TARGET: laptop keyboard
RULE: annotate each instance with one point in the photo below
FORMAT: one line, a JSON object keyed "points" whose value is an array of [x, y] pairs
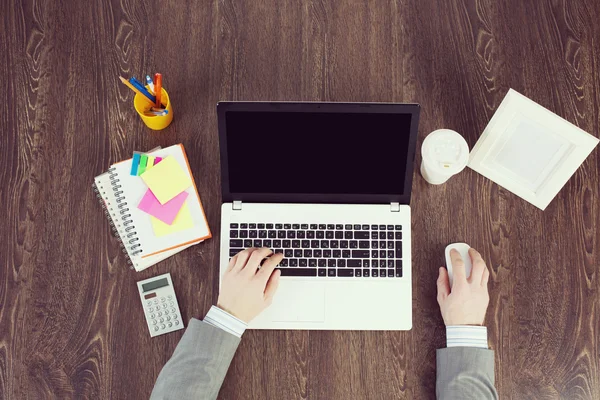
{"points": [[326, 250]]}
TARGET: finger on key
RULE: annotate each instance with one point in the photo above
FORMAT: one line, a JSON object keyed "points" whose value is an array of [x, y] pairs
{"points": [[242, 259], [272, 285], [269, 266], [256, 259]]}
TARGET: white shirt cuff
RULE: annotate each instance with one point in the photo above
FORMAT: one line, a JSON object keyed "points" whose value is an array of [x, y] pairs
{"points": [[223, 320], [466, 336]]}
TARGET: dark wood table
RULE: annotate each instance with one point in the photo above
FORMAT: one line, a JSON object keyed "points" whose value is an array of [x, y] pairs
{"points": [[71, 325]]}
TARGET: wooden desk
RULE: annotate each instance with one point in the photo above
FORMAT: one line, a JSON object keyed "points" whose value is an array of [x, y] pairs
{"points": [[70, 319]]}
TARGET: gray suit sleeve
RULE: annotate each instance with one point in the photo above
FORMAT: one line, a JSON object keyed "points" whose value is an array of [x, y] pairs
{"points": [[465, 373], [198, 365]]}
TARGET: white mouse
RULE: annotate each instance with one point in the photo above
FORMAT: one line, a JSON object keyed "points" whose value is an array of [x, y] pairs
{"points": [[463, 249]]}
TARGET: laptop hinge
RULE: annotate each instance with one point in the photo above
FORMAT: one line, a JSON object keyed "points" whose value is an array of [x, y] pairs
{"points": [[237, 205], [394, 207]]}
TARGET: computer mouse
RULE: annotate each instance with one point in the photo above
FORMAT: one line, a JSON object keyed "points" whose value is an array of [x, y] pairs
{"points": [[463, 249]]}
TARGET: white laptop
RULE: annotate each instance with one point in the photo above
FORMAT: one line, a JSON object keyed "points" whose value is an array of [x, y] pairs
{"points": [[328, 185]]}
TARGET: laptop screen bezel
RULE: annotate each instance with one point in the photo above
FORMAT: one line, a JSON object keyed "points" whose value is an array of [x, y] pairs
{"points": [[347, 198]]}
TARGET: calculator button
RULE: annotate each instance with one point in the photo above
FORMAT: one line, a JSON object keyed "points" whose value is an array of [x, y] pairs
{"points": [[164, 306], [175, 316], [153, 322], [176, 323], [168, 318], [172, 304], [169, 297], [155, 328], [155, 301], [163, 299], [166, 312], [152, 315], [161, 320], [149, 302], [170, 324], [162, 326], [172, 310], [159, 314]]}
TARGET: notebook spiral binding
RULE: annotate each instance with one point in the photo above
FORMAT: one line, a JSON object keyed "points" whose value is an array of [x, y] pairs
{"points": [[125, 231]]}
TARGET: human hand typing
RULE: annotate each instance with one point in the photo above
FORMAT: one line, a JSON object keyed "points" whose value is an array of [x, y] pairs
{"points": [[247, 290], [467, 301]]}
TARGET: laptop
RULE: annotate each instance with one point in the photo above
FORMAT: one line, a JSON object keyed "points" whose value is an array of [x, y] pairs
{"points": [[328, 185]]}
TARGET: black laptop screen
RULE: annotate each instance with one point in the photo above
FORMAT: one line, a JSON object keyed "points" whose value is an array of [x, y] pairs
{"points": [[317, 153]]}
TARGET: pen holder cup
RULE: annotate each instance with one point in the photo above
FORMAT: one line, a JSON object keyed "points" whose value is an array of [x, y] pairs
{"points": [[155, 122]]}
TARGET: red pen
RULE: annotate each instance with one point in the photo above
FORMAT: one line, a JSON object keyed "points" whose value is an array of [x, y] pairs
{"points": [[158, 88]]}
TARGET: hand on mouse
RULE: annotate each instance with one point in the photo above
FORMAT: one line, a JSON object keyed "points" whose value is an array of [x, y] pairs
{"points": [[247, 290], [466, 303]]}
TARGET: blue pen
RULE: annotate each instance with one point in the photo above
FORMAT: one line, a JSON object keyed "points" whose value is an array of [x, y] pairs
{"points": [[139, 86], [150, 84], [134, 79]]}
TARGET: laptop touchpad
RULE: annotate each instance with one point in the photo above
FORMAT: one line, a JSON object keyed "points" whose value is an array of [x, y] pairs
{"points": [[299, 301]]}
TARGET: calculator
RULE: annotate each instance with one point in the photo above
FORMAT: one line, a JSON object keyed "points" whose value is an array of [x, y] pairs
{"points": [[160, 305]]}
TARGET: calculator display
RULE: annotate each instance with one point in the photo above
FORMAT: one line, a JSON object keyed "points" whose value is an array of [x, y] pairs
{"points": [[146, 287]]}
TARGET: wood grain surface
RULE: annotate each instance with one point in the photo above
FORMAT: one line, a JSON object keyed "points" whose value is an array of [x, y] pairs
{"points": [[71, 325]]}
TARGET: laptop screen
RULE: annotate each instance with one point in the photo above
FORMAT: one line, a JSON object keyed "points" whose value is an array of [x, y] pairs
{"points": [[318, 152]]}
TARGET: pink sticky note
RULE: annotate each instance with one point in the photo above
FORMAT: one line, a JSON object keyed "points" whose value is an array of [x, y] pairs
{"points": [[164, 212]]}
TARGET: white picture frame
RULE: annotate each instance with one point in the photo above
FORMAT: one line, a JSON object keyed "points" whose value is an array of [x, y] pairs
{"points": [[529, 150]]}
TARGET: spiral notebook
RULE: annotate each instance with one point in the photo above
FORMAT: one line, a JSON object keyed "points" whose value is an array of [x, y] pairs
{"points": [[120, 193]]}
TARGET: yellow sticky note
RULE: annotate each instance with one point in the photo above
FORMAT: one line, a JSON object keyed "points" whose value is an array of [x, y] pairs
{"points": [[182, 221], [167, 179], [150, 163]]}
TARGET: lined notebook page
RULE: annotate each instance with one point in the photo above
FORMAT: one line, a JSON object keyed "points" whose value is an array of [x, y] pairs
{"points": [[134, 189], [139, 264]]}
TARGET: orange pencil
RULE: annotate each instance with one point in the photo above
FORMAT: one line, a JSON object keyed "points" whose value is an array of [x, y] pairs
{"points": [[158, 88], [130, 86]]}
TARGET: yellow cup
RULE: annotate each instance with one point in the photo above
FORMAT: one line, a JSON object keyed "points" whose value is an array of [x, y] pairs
{"points": [[154, 122]]}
